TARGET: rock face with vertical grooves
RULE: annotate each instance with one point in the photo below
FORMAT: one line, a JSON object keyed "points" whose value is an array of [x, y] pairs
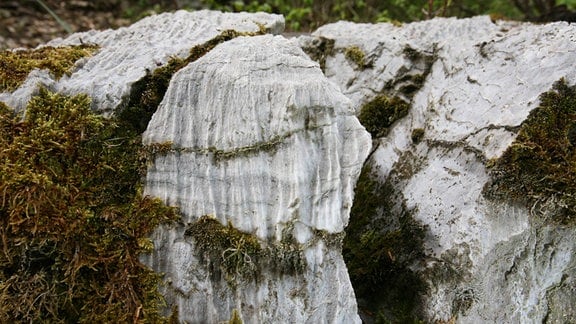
{"points": [[257, 138], [470, 84]]}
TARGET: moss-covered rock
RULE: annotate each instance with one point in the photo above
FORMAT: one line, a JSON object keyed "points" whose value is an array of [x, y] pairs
{"points": [[73, 219], [540, 166], [16, 65], [378, 115], [242, 256], [148, 92], [356, 55], [382, 242]]}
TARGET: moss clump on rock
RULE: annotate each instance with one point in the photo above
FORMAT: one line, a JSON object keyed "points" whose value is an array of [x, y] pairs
{"points": [[356, 55], [417, 135], [378, 115], [74, 221], [236, 252], [16, 65], [382, 242], [540, 166], [242, 256]]}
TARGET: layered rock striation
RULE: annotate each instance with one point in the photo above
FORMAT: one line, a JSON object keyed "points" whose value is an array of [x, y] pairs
{"points": [[255, 136]]}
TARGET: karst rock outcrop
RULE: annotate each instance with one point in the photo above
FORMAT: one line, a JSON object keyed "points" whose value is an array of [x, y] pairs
{"points": [[257, 139], [469, 86]]}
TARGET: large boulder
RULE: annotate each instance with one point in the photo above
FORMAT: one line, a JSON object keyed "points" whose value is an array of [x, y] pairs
{"points": [[253, 144], [253, 135], [465, 88]]}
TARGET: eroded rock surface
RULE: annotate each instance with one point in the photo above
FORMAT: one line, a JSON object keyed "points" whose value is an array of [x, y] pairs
{"points": [[256, 136], [255, 146], [470, 84], [127, 54]]}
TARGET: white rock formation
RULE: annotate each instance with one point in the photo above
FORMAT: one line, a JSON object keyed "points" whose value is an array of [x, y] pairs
{"points": [[128, 53], [256, 136], [261, 140], [482, 80]]}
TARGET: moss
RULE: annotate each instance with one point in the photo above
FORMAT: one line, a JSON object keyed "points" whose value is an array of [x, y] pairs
{"points": [[540, 165], [378, 115], [16, 65], [382, 242], [356, 55], [242, 256], [235, 318], [411, 53], [417, 135], [234, 251], [74, 221]]}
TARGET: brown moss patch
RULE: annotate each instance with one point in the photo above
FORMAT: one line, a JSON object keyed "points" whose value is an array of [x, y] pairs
{"points": [[16, 65], [73, 219]]}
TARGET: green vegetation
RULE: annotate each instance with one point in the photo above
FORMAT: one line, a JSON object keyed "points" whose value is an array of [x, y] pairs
{"points": [[381, 244], [356, 55], [307, 15], [16, 65], [378, 115], [241, 256], [235, 317], [417, 135], [540, 166], [73, 218]]}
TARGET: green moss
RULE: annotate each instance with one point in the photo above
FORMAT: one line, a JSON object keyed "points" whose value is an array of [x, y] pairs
{"points": [[16, 65], [378, 115], [411, 53], [235, 318], [382, 242], [242, 256], [540, 166], [236, 252], [74, 221], [356, 55], [417, 135]]}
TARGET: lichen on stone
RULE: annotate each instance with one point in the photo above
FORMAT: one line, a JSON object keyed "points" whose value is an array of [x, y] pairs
{"points": [[540, 165], [17, 64]]}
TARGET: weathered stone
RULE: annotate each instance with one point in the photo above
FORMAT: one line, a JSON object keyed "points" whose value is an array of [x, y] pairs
{"points": [[127, 54], [486, 260], [257, 137]]}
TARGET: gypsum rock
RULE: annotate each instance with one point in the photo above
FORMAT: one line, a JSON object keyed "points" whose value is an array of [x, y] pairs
{"points": [[258, 138], [486, 261]]}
